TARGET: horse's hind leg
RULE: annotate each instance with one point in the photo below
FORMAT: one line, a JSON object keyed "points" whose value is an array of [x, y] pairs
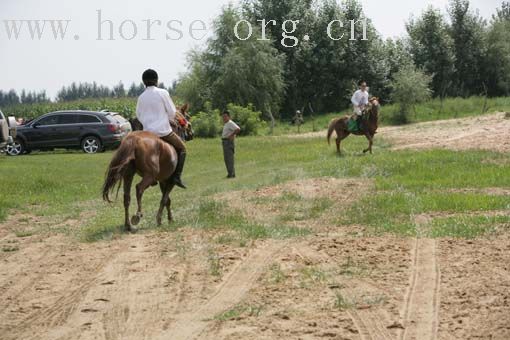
{"points": [[340, 137], [128, 181], [140, 189]]}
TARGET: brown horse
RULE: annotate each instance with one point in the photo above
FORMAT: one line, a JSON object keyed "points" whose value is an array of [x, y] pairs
{"points": [[154, 160], [369, 126]]}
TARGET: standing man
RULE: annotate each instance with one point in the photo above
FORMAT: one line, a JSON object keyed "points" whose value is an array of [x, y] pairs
{"points": [[155, 109], [230, 131]]}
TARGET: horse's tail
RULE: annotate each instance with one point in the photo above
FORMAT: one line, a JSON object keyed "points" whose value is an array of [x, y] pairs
{"points": [[331, 128], [118, 167]]}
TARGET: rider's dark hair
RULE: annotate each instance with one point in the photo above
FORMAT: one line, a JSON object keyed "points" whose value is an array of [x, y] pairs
{"points": [[361, 82], [226, 112], [150, 78]]}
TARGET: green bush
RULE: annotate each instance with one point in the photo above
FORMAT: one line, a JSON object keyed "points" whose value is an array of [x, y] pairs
{"points": [[247, 118], [411, 86], [207, 124]]}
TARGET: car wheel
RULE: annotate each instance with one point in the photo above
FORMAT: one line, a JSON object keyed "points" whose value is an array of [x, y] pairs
{"points": [[15, 149], [91, 144]]}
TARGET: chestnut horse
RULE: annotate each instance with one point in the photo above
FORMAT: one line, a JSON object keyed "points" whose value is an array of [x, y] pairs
{"points": [[369, 126], [154, 160]]}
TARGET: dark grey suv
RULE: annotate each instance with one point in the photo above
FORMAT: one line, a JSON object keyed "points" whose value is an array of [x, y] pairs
{"points": [[91, 131]]}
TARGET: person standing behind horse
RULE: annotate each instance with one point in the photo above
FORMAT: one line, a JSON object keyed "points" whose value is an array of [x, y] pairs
{"points": [[230, 131], [155, 109], [360, 100]]}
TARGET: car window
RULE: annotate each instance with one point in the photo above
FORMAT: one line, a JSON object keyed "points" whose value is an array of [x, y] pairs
{"points": [[67, 119], [88, 119], [50, 120]]}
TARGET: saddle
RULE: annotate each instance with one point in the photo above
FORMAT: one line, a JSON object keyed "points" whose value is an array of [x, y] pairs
{"points": [[356, 125]]}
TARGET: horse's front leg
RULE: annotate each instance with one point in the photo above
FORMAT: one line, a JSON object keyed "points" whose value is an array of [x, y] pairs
{"points": [[140, 189], [165, 200], [370, 143]]}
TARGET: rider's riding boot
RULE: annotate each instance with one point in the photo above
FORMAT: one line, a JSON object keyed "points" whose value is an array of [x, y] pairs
{"points": [[178, 171]]}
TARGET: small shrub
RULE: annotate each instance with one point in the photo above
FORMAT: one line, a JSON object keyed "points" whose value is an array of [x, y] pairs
{"points": [[207, 124], [410, 87], [247, 118]]}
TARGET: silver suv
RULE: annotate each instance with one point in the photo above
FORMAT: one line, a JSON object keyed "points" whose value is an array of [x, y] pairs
{"points": [[7, 131]]}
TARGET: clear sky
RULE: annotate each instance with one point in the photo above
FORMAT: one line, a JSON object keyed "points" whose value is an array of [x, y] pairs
{"points": [[48, 64]]}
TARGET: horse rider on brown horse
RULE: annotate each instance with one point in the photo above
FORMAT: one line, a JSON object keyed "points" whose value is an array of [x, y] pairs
{"points": [[155, 110], [359, 101]]}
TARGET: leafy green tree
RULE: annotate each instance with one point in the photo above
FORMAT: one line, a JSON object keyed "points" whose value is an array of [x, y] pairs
{"points": [[237, 71], [498, 53], [503, 13], [431, 47], [468, 33]]}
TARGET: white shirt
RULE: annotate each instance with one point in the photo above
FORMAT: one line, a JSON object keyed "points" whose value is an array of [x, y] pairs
{"points": [[360, 98], [229, 128], [155, 109]]}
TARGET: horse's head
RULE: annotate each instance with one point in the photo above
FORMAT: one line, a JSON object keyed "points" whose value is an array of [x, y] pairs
{"points": [[374, 107], [184, 109], [183, 124]]}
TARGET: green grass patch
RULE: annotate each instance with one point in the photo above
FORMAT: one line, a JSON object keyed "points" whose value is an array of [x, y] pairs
{"points": [[59, 186], [469, 226], [238, 311], [449, 108], [393, 211]]}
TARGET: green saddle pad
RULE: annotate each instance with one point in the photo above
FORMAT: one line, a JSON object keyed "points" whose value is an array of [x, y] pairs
{"points": [[352, 125]]}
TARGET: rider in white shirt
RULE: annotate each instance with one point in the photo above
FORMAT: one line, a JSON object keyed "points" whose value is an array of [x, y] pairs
{"points": [[155, 109], [360, 99]]}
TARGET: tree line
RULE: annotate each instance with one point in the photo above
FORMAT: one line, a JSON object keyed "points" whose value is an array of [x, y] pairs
{"points": [[457, 53], [75, 91]]}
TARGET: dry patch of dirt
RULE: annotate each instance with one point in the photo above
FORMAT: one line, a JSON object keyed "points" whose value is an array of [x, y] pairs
{"points": [[332, 286], [475, 288], [487, 132]]}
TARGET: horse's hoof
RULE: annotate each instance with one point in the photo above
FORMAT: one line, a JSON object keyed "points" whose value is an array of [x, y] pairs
{"points": [[133, 230], [135, 219]]}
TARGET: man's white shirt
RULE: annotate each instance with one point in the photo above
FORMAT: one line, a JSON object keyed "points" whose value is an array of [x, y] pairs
{"points": [[155, 109], [229, 128], [360, 98]]}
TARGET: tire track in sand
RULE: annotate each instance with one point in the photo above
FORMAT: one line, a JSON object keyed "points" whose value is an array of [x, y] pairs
{"points": [[370, 325], [230, 292], [420, 312], [372, 322]]}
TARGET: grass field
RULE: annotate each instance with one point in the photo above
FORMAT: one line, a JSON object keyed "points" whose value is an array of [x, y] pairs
{"points": [[66, 186]]}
